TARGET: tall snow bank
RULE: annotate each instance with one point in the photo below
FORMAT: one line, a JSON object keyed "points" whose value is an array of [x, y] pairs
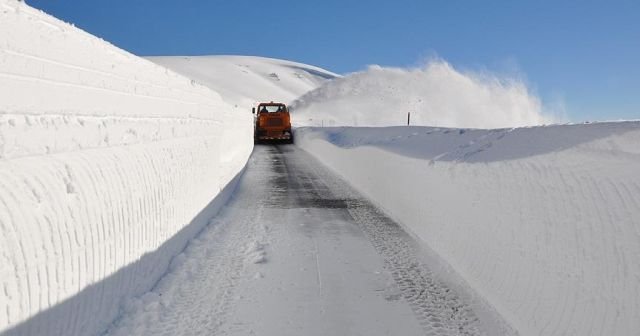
{"points": [[108, 165], [435, 95], [542, 222]]}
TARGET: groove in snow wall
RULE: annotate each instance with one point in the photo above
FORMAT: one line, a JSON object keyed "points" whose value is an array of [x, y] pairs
{"points": [[550, 239], [108, 166]]}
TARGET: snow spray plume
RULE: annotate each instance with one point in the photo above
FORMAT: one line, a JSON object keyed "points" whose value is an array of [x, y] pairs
{"points": [[435, 95]]}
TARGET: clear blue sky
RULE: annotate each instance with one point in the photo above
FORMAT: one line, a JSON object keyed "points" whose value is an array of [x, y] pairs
{"points": [[585, 53]]}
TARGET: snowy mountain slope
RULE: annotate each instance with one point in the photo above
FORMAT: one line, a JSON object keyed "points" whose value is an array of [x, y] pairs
{"points": [[245, 80], [542, 222], [108, 162]]}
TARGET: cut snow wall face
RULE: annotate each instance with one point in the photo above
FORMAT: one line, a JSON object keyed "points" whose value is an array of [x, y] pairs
{"points": [[551, 240], [106, 160]]}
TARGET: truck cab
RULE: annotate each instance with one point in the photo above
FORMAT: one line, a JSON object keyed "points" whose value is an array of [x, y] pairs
{"points": [[272, 123]]}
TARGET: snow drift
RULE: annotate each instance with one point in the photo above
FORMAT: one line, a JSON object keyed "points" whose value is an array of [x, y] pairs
{"points": [[541, 222], [435, 95], [108, 166]]}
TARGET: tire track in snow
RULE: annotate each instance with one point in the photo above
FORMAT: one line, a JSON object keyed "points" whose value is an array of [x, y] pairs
{"points": [[200, 293], [438, 308]]}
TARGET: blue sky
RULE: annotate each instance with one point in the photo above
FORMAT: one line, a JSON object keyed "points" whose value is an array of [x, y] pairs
{"points": [[585, 54]]}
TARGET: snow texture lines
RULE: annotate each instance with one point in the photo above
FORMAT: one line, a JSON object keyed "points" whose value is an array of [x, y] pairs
{"points": [[109, 164]]}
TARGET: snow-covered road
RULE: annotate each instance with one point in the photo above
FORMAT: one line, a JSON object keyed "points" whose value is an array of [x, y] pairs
{"points": [[296, 252]]}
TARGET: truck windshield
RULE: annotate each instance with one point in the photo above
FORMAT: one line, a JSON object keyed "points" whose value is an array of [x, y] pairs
{"points": [[271, 108]]}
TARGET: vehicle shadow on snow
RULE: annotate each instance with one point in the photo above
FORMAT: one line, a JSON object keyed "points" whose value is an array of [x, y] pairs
{"points": [[84, 313]]}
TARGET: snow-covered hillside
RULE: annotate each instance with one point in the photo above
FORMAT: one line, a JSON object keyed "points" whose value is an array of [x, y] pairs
{"points": [[436, 94], [108, 165], [543, 222], [244, 80]]}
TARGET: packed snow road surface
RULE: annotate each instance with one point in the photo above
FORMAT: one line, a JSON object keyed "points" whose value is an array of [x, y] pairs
{"points": [[296, 252]]}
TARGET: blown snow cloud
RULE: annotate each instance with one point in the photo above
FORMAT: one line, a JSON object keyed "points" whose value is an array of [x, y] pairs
{"points": [[436, 95]]}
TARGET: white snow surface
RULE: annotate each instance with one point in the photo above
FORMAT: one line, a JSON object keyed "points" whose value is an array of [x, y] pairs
{"points": [[108, 165], [246, 80], [541, 222], [436, 94], [279, 261]]}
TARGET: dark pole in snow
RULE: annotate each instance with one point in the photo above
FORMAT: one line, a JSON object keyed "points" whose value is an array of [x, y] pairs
{"points": [[408, 118]]}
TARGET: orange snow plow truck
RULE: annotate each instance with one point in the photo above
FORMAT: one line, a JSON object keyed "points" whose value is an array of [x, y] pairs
{"points": [[273, 123]]}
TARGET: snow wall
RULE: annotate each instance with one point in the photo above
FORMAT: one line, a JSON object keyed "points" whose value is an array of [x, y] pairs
{"points": [[109, 164], [543, 223]]}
